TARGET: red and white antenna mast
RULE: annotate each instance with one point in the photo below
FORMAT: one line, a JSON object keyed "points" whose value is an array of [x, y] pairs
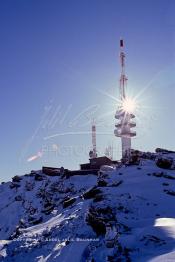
{"points": [[123, 78], [124, 117], [93, 152]]}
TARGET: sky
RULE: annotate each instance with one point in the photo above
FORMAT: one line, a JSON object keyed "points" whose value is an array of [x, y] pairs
{"points": [[59, 68]]}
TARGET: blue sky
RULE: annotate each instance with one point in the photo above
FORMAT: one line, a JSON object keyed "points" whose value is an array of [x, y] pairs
{"points": [[58, 59]]}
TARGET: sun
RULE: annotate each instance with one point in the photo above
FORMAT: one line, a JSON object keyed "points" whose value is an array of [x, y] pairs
{"points": [[128, 105]]}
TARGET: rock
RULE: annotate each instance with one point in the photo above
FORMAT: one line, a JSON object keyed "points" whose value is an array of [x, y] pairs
{"points": [[168, 176], [68, 202], [147, 239], [13, 185], [98, 216], [164, 163], [111, 236], [15, 234], [170, 192], [102, 183], [38, 177], [16, 179], [120, 208], [35, 220], [117, 183], [18, 198], [98, 198], [22, 223], [97, 224], [165, 184], [46, 233], [164, 151], [54, 187], [157, 174], [48, 208], [29, 186], [91, 193]]}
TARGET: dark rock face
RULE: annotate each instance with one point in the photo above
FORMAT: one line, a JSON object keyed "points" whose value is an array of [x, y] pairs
{"points": [[164, 151], [168, 176], [29, 186], [152, 239], [161, 174], [16, 179], [97, 217], [158, 174], [102, 183], [117, 183], [14, 185], [164, 163], [91, 193], [96, 223], [135, 158], [170, 192], [18, 198], [48, 208], [38, 177], [15, 234], [68, 202], [98, 198], [34, 220]]}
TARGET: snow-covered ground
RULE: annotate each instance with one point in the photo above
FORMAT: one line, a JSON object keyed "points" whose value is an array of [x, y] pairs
{"points": [[127, 214]]}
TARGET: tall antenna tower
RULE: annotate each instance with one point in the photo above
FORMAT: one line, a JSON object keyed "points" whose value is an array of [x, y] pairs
{"points": [[124, 114], [93, 152]]}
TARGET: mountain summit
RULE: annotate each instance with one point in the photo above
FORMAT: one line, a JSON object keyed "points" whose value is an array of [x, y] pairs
{"points": [[124, 214]]}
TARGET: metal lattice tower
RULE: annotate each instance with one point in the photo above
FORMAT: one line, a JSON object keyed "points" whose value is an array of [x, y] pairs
{"points": [[125, 123], [93, 152]]}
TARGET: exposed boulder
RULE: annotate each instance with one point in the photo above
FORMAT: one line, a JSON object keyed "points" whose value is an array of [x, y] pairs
{"points": [[168, 176], [165, 163], [15, 234], [16, 179], [98, 216], [91, 193], [164, 151], [116, 183], [29, 186], [111, 237], [18, 198], [38, 177], [34, 220], [149, 239], [165, 184], [97, 224], [158, 174], [48, 208], [14, 185], [102, 182], [68, 202], [170, 192], [98, 198]]}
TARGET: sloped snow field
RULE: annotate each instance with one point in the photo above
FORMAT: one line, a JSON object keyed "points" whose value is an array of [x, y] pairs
{"points": [[126, 215]]}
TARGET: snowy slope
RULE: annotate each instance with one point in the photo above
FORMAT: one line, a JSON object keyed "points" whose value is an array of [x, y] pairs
{"points": [[125, 215]]}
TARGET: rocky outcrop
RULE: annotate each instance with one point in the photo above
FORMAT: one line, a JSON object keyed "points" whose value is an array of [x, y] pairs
{"points": [[91, 193], [165, 163]]}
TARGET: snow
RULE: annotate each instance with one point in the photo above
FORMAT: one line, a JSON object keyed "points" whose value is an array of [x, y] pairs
{"points": [[144, 216]]}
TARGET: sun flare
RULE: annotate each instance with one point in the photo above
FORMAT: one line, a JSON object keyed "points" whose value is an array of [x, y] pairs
{"points": [[128, 105]]}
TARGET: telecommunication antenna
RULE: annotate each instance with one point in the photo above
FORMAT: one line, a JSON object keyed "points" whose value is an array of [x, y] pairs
{"points": [[124, 116], [93, 152]]}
